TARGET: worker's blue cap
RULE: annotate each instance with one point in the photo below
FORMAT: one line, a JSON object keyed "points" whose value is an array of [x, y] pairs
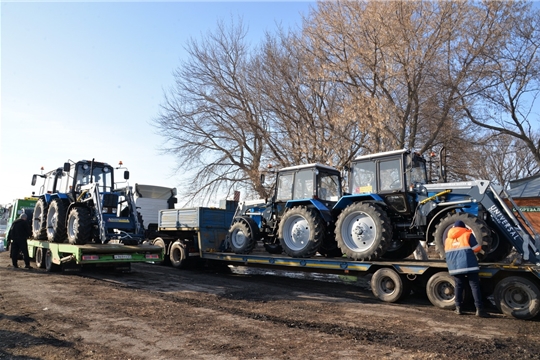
{"points": [[459, 223]]}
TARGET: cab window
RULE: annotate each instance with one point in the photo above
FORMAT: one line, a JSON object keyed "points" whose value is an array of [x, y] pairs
{"points": [[390, 175]]}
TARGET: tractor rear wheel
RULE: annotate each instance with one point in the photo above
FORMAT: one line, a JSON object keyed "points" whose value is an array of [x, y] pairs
{"points": [[56, 221], [363, 231], [479, 228], [79, 226], [243, 236], [301, 232], [39, 220]]}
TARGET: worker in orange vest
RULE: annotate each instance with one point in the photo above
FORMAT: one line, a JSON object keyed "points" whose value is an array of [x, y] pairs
{"points": [[461, 248]]}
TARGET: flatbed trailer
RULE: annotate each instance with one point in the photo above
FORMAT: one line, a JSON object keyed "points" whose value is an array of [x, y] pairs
{"points": [[201, 233], [55, 256]]}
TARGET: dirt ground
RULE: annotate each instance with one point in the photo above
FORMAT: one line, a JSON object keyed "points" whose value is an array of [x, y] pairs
{"points": [[157, 312]]}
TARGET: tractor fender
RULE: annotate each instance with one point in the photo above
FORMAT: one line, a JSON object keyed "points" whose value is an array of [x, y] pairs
{"points": [[326, 214], [74, 205], [436, 218], [347, 200]]}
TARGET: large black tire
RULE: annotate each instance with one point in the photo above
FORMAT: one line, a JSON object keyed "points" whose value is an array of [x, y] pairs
{"points": [[39, 220], [178, 255], [79, 226], [401, 249], [440, 290], [301, 232], [479, 227], [56, 221], [363, 231], [500, 248], [387, 285], [40, 258], [163, 244], [243, 236], [49, 265], [518, 297]]}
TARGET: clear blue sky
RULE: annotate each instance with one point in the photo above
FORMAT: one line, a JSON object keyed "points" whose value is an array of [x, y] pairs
{"points": [[83, 80]]}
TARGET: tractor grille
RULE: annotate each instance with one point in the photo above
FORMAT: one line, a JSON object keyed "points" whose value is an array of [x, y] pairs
{"points": [[110, 200]]}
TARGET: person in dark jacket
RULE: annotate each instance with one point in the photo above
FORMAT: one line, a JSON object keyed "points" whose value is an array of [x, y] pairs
{"points": [[461, 248], [18, 233]]}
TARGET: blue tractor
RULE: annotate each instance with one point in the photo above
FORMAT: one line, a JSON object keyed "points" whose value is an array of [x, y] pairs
{"points": [[297, 220], [79, 204], [391, 206]]}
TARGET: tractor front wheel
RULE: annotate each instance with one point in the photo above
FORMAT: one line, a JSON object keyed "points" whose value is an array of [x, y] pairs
{"points": [[243, 236], [79, 226]]}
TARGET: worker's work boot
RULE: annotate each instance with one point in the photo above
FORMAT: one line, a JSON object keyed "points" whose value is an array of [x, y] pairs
{"points": [[458, 311], [481, 313]]}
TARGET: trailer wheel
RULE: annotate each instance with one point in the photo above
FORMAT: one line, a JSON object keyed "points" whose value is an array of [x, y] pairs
{"points": [[363, 231], [79, 226], [56, 222], [242, 236], [400, 249], [479, 228], [39, 220], [518, 297], [40, 258], [49, 265], [178, 256], [301, 232], [161, 243], [387, 285], [440, 290]]}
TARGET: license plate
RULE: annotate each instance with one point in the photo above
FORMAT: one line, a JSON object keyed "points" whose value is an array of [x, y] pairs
{"points": [[118, 257]]}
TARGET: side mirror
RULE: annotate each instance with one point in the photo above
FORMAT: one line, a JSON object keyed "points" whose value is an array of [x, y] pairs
{"points": [[126, 175], [34, 179], [442, 165], [67, 167]]}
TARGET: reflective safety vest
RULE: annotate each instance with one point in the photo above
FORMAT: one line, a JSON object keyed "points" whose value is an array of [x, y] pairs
{"points": [[460, 248]]}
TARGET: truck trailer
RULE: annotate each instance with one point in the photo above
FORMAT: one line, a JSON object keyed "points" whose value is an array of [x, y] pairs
{"points": [[202, 233], [57, 256]]}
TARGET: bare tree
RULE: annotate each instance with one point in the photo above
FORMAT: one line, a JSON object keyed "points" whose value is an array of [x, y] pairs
{"points": [[212, 118], [506, 98], [503, 158], [360, 76], [309, 123]]}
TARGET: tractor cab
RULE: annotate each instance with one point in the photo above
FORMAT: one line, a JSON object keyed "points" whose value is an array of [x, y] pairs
{"points": [[396, 176], [307, 184]]}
